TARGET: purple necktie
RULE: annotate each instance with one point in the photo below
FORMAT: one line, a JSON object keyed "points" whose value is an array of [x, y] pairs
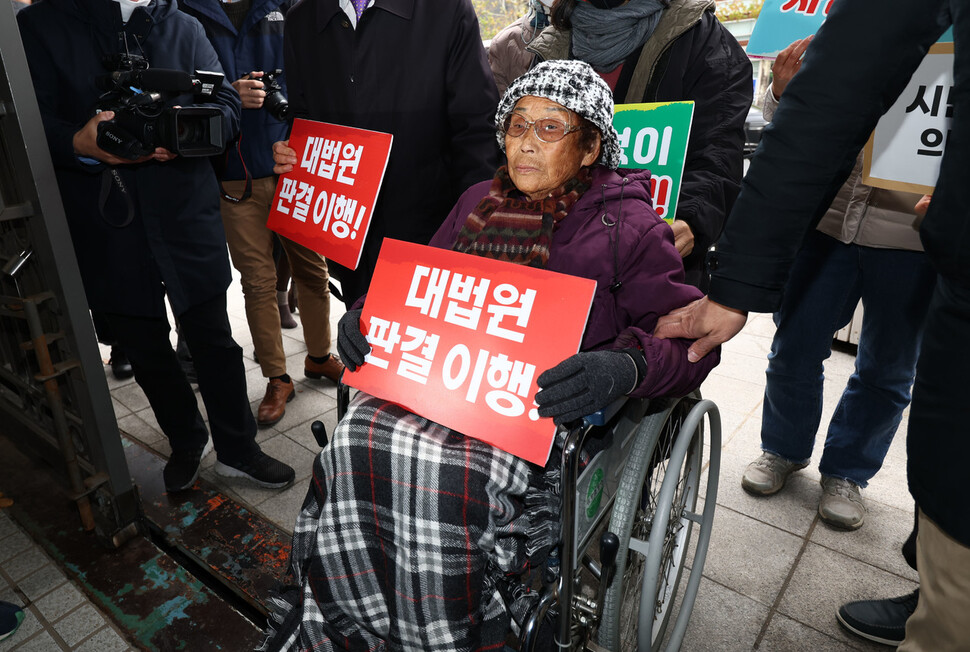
{"points": [[359, 6]]}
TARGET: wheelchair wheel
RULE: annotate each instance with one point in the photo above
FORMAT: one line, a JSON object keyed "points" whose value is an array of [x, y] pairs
{"points": [[653, 516]]}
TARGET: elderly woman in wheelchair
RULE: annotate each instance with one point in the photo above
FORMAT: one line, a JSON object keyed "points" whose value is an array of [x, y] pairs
{"points": [[410, 531]]}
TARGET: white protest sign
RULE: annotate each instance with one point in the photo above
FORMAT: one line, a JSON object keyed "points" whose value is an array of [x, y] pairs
{"points": [[906, 147]]}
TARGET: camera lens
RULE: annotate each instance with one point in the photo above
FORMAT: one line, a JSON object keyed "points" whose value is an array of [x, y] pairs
{"points": [[277, 105], [190, 132]]}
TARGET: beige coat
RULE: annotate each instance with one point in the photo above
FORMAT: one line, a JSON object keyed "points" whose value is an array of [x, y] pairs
{"points": [[507, 54], [863, 215]]}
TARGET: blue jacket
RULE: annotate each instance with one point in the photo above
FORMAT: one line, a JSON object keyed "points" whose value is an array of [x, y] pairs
{"points": [[258, 45]]}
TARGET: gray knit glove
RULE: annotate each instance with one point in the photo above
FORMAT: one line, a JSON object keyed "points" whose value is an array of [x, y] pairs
{"points": [[351, 343], [586, 382]]}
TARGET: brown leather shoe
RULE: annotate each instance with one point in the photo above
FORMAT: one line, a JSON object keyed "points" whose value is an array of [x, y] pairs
{"points": [[330, 369], [273, 405]]}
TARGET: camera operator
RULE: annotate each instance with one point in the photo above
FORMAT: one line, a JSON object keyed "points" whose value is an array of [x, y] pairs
{"points": [[248, 37], [144, 220]]}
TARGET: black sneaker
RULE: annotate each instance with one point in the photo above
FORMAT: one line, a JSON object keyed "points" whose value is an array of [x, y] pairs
{"points": [[882, 621], [120, 366], [182, 469], [261, 469]]}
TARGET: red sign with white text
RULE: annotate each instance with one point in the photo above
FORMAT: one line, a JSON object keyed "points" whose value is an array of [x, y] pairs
{"points": [[461, 339], [326, 201]]}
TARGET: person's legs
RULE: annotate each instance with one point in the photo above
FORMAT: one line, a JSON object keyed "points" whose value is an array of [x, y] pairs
{"points": [[820, 297], [157, 371], [251, 248], [118, 360], [908, 549], [282, 283], [403, 520], [222, 378], [896, 290], [222, 383], [884, 621], [940, 622], [159, 374], [309, 271], [937, 453]]}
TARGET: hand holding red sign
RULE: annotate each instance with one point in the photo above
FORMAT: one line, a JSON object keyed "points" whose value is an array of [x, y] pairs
{"points": [[461, 340], [284, 156], [330, 179]]}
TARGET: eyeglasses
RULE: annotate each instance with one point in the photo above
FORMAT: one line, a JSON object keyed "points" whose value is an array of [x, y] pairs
{"points": [[548, 130]]}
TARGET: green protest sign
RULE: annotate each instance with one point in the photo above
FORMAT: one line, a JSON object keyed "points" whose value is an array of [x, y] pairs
{"points": [[654, 137]]}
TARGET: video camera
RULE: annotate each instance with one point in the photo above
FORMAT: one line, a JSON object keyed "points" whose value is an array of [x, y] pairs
{"points": [[137, 95]]}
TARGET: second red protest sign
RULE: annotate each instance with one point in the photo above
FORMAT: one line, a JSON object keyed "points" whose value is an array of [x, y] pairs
{"points": [[326, 202]]}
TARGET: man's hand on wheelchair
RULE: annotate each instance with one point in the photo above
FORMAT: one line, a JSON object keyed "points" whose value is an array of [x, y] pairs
{"points": [[587, 382], [352, 346]]}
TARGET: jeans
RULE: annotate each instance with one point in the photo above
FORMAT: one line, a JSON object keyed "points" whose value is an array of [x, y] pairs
{"points": [[828, 278]]}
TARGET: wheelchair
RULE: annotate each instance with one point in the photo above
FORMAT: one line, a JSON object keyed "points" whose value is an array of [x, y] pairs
{"points": [[629, 511]]}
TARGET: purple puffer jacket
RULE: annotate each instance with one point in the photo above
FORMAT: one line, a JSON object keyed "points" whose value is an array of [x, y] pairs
{"points": [[647, 265]]}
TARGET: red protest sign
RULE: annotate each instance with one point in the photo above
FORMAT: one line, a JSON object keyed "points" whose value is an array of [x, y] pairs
{"points": [[325, 203], [461, 339]]}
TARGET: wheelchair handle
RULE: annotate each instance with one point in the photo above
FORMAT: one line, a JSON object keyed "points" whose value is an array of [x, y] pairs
{"points": [[319, 433], [609, 546]]}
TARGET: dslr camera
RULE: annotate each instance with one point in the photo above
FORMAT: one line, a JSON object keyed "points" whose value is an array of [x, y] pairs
{"points": [[275, 102], [138, 95]]}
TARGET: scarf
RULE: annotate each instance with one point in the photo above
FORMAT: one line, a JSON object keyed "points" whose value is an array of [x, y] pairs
{"points": [[506, 226], [605, 37]]}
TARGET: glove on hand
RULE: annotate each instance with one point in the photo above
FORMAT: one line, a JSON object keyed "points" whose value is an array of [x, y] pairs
{"points": [[585, 383], [352, 346]]}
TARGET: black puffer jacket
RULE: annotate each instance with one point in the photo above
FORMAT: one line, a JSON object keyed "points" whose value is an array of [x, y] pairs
{"points": [[694, 58]]}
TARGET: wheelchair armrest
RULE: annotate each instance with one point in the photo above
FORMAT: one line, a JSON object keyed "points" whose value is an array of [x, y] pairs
{"points": [[600, 417]]}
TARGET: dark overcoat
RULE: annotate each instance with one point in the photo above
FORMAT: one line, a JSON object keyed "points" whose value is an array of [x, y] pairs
{"points": [[829, 110], [416, 69], [173, 242]]}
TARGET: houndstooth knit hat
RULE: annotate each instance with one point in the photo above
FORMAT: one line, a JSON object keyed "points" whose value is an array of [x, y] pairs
{"points": [[575, 85]]}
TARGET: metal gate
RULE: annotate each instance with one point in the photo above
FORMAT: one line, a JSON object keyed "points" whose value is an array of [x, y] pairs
{"points": [[54, 399]]}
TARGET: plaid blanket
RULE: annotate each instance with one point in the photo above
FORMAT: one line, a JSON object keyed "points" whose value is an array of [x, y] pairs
{"points": [[404, 529]]}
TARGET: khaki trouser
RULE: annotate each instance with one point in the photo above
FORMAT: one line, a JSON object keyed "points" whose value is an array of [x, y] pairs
{"points": [[251, 249], [941, 622]]}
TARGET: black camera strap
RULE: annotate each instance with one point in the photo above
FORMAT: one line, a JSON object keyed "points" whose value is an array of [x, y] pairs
{"points": [[248, 190], [108, 178]]}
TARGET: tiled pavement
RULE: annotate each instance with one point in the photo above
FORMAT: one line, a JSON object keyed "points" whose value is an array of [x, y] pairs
{"points": [[774, 575], [58, 615]]}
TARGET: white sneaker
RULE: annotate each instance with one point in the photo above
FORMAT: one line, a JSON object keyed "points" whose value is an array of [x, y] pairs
{"points": [[841, 505], [767, 474]]}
